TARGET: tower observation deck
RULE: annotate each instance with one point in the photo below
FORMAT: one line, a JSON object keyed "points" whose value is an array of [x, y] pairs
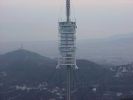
{"points": [[67, 43], [67, 47]]}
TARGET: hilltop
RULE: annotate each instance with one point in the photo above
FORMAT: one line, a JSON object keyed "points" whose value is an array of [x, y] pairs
{"points": [[25, 73]]}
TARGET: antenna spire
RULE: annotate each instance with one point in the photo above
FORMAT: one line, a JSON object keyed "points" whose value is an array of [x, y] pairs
{"points": [[68, 10]]}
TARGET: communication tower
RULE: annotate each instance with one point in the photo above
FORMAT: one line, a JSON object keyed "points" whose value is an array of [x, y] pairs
{"points": [[67, 47]]}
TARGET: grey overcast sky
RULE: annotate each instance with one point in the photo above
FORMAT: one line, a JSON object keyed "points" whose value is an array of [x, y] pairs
{"points": [[34, 20]]}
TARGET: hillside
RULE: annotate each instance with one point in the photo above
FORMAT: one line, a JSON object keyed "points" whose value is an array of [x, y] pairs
{"points": [[26, 75]]}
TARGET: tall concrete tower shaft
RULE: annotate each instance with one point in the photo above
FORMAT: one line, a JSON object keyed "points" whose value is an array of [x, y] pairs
{"points": [[67, 47]]}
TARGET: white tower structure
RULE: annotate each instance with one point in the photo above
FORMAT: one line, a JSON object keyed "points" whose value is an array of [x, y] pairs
{"points": [[67, 47]]}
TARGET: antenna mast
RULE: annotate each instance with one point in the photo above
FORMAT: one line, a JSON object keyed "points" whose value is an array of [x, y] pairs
{"points": [[68, 96], [67, 47], [68, 10]]}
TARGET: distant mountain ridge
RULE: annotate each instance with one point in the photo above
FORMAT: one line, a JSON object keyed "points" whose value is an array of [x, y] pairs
{"points": [[115, 50], [22, 53]]}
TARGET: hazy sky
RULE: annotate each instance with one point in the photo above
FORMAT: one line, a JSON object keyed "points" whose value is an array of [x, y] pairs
{"points": [[33, 20]]}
